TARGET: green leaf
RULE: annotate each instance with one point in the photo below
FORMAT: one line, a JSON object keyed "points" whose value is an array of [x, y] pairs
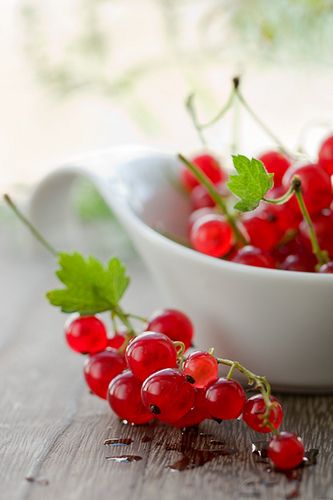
{"points": [[251, 182], [90, 287]]}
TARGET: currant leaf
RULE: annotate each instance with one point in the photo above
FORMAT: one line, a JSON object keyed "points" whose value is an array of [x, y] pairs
{"points": [[251, 182], [90, 287]]}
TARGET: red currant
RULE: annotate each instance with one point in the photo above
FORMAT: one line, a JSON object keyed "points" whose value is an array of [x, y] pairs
{"points": [[197, 413], [254, 410], [208, 165], [212, 236], [286, 450], [117, 340], [101, 368], [285, 216], [299, 262], [174, 324], [168, 395], [262, 232], [326, 268], [201, 368], [253, 256], [225, 399], [200, 198], [124, 396], [86, 334], [197, 214], [325, 155], [149, 353], [275, 163], [316, 186], [323, 226]]}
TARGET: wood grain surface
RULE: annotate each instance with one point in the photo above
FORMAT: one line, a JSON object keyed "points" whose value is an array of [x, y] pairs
{"points": [[52, 430]]}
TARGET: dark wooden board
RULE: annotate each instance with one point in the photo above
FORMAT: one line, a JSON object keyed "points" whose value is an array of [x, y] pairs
{"points": [[52, 431]]}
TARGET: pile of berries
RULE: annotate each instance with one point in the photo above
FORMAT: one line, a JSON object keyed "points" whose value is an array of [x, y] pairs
{"points": [[276, 235], [148, 376]]}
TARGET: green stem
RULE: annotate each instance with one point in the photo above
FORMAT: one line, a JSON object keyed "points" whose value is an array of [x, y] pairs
{"points": [[124, 319], [30, 226], [321, 256], [283, 199], [194, 118], [222, 112], [203, 179], [258, 120], [139, 318]]}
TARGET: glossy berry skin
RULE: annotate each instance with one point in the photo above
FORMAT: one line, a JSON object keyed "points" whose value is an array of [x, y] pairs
{"points": [[326, 268], [202, 368], [117, 340], [275, 163], [101, 368], [197, 214], [253, 256], [208, 165], [316, 187], [299, 263], [325, 155], [262, 233], [254, 410], [174, 324], [197, 414], [167, 395], [200, 198], [286, 451], [323, 226], [124, 397], [149, 353], [212, 236], [86, 335], [225, 399]]}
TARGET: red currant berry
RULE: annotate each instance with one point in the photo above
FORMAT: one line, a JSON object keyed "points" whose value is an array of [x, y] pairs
{"points": [[254, 410], [299, 263], [201, 368], [323, 226], [197, 413], [168, 395], [124, 396], [86, 334], [286, 450], [101, 368], [253, 256], [174, 324], [212, 236], [316, 186], [262, 232], [326, 268], [275, 163], [149, 353], [200, 198], [285, 216], [208, 165], [197, 214], [225, 399], [117, 340], [325, 155]]}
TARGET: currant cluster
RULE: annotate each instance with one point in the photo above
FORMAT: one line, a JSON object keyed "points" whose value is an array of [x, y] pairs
{"points": [[156, 375], [272, 235]]}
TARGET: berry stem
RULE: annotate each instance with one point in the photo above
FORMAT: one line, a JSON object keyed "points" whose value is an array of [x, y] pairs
{"points": [[283, 199], [30, 226], [194, 118], [203, 179], [139, 318], [124, 319], [321, 256]]}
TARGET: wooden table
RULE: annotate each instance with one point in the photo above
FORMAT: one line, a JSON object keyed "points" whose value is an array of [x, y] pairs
{"points": [[52, 430]]}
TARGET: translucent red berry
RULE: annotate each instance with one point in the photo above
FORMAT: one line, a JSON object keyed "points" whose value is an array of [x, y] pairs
{"points": [[168, 395], [325, 156], [208, 165], [124, 396], [117, 340], [86, 334], [225, 399], [316, 186], [286, 450], [200, 198], [253, 256], [255, 409], [101, 368], [326, 268], [197, 414], [323, 226], [201, 368], [197, 214], [212, 236], [174, 324], [262, 231], [299, 263], [149, 353], [275, 163]]}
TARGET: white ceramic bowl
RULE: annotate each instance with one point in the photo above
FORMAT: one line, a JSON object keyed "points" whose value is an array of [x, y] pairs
{"points": [[278, 323]]}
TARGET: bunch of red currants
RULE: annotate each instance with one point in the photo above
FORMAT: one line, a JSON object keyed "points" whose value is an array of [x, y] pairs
{"points": [[277, 236], [148, 376]]}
